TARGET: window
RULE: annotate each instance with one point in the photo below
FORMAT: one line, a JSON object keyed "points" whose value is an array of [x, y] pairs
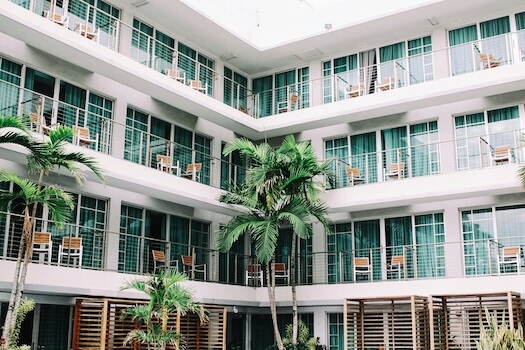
{"points": [[487, 230], [336, 331], [424, 149], [337, 151], [303, 255], [467, 43], [196, 65], [235, 90], [87, 221], [10, 79], [233, 169], [268, 99], [188, 236], [367, 244], [146, 136], [340, 252], [430, 245], [478, 134], [96, 14]]}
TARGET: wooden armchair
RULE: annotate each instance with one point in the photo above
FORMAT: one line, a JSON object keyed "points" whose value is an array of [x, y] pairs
{"points": [[198, 86], [57, 18], [354, 176], [291, 103], [176, 74], [165, 164], [396, 171], [189, 265], [488, 61], [87, 31], [160, 261], [39, 124], [386, 84], [82, 137], [501, 155], [281, 272], [362, 267], [254, 275], [71, 249], [356, 90], [397, 266], [42, 245], [193, 171], [509, 257]]}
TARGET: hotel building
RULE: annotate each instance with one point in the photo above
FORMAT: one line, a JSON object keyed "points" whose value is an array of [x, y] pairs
{"points": [[418, 107]]}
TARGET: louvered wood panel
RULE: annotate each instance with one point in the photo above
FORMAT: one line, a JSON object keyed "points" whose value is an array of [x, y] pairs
{"points": [[98, 325], [388, 323], [458, 319]]}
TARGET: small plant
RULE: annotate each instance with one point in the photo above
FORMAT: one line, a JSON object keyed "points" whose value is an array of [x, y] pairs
{"points": [[26, 306], [499, 336], [166, 296], [304, 342]]}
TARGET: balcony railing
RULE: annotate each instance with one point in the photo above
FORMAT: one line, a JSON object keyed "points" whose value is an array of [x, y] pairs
{"points": [[132, 253], [44, 113], [148, 149], [488, 53], [429, 159]]}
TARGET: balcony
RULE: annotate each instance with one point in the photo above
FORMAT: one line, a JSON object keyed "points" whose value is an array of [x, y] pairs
{"points": [[132, 254], [481, 55]]}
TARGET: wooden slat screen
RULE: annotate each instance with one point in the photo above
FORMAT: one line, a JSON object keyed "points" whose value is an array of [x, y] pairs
{"points": [[98, 325], [458, 319], [387, 323]]}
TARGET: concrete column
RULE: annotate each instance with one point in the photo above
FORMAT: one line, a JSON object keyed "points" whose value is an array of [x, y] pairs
{"points": [[112, 237]]}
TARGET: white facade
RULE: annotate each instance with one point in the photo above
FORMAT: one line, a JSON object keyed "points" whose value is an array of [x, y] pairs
{"points": [[443, 116]]}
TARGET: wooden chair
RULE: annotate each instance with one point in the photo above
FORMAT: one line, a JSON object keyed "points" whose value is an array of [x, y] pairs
{"points": [[188, 264], [281, 272], [198, 86], [488, 61], [160, 261], [396, 171], [362, 267], [509, 257], [71, 248], [354, 177], [385, 85], [501, 155], [254, 275], [38, 123], [193, 171], [165, 164], [56, 18], [397, 265], [176, 74], [82, 138], [87, 31], [290, 104], [356, 90], [42, 245]]}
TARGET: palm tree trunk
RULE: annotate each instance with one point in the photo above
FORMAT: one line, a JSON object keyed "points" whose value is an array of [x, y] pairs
{"points": [[270, 282], [24, 254], [12, 297], [294, 292], [22, 273]]}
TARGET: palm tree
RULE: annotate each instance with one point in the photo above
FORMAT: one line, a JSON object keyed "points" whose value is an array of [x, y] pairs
{"points": [[166, 296], [282, 187], [49, 154], [29, 196], [13, 130]]}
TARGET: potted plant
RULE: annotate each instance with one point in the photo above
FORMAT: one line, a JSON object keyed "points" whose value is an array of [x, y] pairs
{"points": [[166, 297], [499, 336]]}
